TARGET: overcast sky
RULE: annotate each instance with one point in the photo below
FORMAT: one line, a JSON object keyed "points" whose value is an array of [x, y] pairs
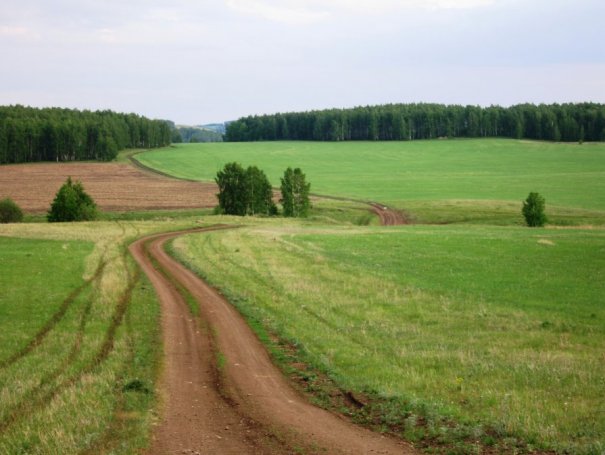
{"points": [[201, 61]]}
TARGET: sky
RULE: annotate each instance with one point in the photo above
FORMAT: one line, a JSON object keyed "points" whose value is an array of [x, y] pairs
{"points": [[204, 61]]}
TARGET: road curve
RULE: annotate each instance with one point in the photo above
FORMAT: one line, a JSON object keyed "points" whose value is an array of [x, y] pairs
{"points": [[246, 407], [388, 216]]}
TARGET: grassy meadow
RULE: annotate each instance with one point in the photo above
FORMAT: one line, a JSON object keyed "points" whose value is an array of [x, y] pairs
{"points": [[485, 326], [79, 345], [436, 181], [469, 333]]}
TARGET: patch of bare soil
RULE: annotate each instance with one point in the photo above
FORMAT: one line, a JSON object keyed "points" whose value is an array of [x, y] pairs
{"points": [[113, 186], [222, 393]]}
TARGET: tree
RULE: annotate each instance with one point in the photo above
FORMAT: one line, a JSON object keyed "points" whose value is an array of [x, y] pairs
{"points": [[259, 193], [244, 192], [72, 203], [231, 183], [10, 212], [295, 193], [533, 210]]}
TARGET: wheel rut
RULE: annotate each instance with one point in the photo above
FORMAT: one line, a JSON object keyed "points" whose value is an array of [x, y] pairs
{"points": [[221, 392]]}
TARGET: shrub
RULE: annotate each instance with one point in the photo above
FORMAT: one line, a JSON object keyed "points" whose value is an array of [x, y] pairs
{"points": [[533, 210], [10, 212], [72, 203]]}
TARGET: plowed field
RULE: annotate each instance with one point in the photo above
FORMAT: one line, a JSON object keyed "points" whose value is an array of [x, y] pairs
{"points": [[113, 186]]}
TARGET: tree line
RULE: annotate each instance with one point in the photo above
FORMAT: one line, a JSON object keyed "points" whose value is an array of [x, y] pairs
{"points": [[553, 122], [30, 134]]}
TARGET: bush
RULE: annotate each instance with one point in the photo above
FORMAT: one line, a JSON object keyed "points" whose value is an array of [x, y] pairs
{"points": [[72, 203], [533, 210], [10, 212]]}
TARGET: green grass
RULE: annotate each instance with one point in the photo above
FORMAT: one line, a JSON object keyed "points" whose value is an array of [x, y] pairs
{"points": [[80, 341], [501, 330], [443, 174], [27, 302]]}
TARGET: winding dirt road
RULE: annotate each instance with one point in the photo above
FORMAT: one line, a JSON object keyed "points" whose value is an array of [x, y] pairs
{"points": [[388, 216], [222, 393]]}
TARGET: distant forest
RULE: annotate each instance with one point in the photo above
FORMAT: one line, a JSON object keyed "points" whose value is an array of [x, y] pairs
{"points": [[554, 122], [196, 134], [53, 134]]}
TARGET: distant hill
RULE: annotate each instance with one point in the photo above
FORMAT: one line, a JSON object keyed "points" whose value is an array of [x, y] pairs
{"points": [[201, 133], [216, 127]]}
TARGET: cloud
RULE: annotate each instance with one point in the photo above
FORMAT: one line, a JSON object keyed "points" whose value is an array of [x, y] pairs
{"points": [[385, 6], [293, 12], [14, 31], [311, 11]]}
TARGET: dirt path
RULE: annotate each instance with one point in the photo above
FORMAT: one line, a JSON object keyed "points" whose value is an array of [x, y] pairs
{"points": [[388, 216], [245, 405]]}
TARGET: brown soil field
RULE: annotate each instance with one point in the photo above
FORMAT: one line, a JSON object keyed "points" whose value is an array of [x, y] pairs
{"points": [[113, 186]]}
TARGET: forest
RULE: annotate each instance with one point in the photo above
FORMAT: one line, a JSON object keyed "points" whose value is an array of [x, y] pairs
{"points": [[30, 134], [554, 122]]}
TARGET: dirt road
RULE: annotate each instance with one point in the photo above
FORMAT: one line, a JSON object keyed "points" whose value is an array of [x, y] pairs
{"points": [[388, 216], [222, 394]]}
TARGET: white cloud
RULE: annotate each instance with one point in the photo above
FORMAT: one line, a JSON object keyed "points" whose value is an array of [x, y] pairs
{"points": [[311, 11], [14, 31], [292, 12], [384, 6]]}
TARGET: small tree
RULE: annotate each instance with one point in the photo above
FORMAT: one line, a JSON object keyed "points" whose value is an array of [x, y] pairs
{"points": [[259, 193], [533, 210], [231, 183], [10, 212], [72, 203], [295, 193]]}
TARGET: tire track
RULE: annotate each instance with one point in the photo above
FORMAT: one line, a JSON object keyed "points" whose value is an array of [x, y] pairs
{"points": [[53, 321], [35, 404]]}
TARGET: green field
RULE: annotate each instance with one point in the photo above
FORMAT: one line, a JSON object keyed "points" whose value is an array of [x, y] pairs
{"points": [[481, 325], [79, 339], [463, 336], [434, 180]]}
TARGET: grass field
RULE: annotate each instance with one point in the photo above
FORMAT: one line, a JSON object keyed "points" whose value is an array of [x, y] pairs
{"points": [[79, 345], [502, 329], [434, 180], [467, 336]]}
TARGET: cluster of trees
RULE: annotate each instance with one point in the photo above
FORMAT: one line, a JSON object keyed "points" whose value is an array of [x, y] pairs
{"points": [[248, 192], [244, 191], [554, 122], [53, 134]]}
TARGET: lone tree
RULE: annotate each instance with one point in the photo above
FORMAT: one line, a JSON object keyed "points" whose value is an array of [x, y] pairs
{"points": [[10, 212], [244, 192], [72, 203], [295, 193], [533, 210]]}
